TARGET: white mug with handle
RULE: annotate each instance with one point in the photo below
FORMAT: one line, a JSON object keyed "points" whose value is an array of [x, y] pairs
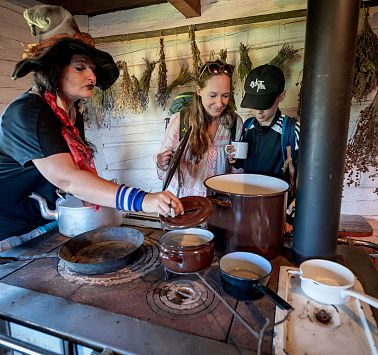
{"points": [[241, 149]]}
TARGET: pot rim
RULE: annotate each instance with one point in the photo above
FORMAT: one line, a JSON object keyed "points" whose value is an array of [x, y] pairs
{"points": [[187, 247], [255, 281], [329, 266], [97, 208], [247, 195], [243, 278]]}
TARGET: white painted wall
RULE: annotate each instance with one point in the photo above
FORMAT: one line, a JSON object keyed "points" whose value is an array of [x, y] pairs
{"points": [[126, 144], [131, 141]]}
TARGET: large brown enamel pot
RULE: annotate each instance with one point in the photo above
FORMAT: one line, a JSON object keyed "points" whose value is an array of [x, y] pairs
{"points": [[248, 213], [187, 250]]}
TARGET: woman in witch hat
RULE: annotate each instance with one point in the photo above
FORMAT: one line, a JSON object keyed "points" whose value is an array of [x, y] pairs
{"points": [[42, 145]]}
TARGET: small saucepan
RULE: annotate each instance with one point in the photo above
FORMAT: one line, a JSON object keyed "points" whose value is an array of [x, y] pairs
{"points": [[329, 282], [187, 250], [245, 275]]}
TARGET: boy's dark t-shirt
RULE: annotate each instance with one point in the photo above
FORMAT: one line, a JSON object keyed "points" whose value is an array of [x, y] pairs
{"points": [[28, 130], [265, 149]]}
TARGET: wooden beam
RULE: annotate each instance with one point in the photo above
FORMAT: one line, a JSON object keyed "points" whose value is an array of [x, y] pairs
{"points": [[202, 26], [189, 8]]}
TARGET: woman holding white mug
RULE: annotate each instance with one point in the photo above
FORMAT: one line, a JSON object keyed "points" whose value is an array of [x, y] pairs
{"points": [[212, 119], [239, 150]]}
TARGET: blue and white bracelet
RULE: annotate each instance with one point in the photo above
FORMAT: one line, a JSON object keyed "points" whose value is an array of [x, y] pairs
{"points": [[129, 198]]}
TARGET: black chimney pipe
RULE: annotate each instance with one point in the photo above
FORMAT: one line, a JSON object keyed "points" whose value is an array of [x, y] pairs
{"points": [[330, 45]]}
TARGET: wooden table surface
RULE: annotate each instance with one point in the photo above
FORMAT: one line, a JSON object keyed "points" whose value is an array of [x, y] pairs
{"points": [[354, 226]]}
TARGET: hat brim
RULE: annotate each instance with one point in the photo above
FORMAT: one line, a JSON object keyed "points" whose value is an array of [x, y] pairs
{"points": [[106, 70], [258, 102]]}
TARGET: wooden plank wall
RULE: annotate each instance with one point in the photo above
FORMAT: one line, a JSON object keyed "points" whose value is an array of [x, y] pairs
{"points": [[129, 142], [14, 33], [126, 145]]}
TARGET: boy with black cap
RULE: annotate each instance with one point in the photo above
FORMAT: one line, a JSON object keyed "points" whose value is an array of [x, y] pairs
{"points": [[273, 138]]}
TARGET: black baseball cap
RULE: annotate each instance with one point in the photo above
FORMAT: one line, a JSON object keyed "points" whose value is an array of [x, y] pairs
{"points": [[262, 86]]}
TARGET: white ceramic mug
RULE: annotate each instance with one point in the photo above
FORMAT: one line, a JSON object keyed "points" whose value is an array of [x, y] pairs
{"points": [[241, 149]]}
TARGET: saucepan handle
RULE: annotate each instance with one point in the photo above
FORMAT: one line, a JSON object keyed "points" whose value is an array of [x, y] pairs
{"points": [[366, 298], [280, 302], [11, 259], [220, 203], [6, 260], [171, 256]]}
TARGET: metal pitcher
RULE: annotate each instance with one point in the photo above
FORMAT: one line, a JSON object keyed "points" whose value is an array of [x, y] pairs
{"points": [[74, 218]]}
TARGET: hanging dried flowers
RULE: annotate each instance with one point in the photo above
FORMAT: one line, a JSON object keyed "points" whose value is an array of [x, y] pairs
{"points": [[162, 81], [135, 98], [133, 94], [223, 55], [145, 82], [245, 64], [103, 102], [366, 62], [212, 56], [184, 77], [123, 100], [196, 54], [285, 55], [362, 148]]}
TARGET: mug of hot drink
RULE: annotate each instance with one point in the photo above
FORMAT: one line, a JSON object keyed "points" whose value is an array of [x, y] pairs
{"points": [[241, 149]]}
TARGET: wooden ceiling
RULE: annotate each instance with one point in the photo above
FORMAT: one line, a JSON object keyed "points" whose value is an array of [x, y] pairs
{"points": [[189, 8]]}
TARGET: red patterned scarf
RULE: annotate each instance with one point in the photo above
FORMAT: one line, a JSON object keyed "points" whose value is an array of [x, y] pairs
{"points": [[82, 154]]}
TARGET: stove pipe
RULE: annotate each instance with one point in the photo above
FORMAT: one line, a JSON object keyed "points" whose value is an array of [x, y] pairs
{"points": [[330, 45]]}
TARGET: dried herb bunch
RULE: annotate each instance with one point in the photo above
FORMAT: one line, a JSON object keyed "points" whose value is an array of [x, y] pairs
{"points": [[196, 54], [223, 55], [103, 101], [362, 148], [245, 64], [135, 98], [133, 94], [123, 99], [366, 62], [184, 77], [162, 81], [145, 82], [285, 55], [212, 56]]}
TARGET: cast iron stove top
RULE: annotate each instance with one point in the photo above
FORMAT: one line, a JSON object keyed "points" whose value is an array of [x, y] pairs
{"points": [[145, 292]]}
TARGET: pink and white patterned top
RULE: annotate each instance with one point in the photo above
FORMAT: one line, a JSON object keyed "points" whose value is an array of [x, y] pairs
{"points": [[214, 161]]}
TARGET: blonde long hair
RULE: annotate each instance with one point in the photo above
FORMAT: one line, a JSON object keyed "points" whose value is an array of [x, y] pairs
{"points": [[196, 116]]}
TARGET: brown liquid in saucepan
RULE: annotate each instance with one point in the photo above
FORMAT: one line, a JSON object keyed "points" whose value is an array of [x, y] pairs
{"points": [[186, 240], [245, 274]]}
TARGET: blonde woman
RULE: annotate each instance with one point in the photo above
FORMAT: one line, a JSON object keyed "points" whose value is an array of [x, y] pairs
{"points": [[212, 121]]}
